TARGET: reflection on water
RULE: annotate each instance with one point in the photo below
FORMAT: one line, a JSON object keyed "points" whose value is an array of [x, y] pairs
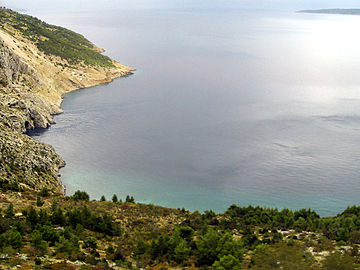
{"points": [[226, 107]]}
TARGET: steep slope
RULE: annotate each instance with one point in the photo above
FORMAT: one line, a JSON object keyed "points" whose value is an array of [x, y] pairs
{"points": [[38, 64]]}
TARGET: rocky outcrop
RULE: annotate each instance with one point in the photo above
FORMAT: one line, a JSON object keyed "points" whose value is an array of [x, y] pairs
{"points": [[23, 160], [11, 67], [21, 108], [30, 163]]}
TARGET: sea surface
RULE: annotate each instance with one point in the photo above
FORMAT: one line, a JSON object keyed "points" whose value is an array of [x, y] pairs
{"points": [[226, 107]]}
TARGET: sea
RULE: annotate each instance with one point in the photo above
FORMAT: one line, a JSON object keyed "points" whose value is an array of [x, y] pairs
{"points": [[233, 106]]}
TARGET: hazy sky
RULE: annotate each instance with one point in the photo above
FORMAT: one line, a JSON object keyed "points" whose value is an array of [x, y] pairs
{"points": [[78, 5]]}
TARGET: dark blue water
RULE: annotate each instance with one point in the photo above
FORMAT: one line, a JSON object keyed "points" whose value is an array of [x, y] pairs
{"points": [[225, 107]]}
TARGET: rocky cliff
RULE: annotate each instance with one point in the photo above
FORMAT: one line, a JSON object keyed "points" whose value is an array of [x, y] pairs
{"points": [[32, 83]]}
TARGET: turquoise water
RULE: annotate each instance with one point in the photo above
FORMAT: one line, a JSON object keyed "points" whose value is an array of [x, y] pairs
{"points": [[225, 107]]}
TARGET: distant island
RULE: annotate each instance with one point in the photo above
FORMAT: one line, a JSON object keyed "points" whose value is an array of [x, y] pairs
{"points": [[333, 11]]}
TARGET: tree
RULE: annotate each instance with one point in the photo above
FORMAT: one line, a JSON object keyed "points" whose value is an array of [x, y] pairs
{"points": [[354, 237], [181, 252], [32, 217], [81, 196], [130, 199], [160, 247], [206, 248], [110, 250], [141, 248], [227, 262], [15, 239], [54, 206], [39, 202], [102, 199], [38, 243], [185, 232], [229, 246], [43, 217], [9, 212], [49, 234], [67, 246], [57, 217], [44, 192], [90, 242], [115, 198]]}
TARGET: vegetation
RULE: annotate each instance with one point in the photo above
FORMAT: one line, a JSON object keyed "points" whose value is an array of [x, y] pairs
{"points": [[101, 233], [55, 40], [80, 196]]}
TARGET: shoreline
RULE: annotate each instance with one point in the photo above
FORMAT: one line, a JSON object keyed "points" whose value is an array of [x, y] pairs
{"points": [[33, 83], [111, 79]]}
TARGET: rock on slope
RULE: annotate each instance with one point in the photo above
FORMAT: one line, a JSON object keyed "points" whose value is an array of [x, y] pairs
{"points": [[32, 83]]}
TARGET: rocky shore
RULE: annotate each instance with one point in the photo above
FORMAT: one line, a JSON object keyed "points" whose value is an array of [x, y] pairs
{"points": [[32, 84]]}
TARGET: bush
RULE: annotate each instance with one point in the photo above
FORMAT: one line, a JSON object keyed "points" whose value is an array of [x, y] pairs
{"points": [[130, 199], [39, 202], [81, 196], [206, 248], [14, 239], [110, 250], [44, 192], [90, 243], [38, 243], [9, 212], [227, 262], [182, 252], [66, 246]]}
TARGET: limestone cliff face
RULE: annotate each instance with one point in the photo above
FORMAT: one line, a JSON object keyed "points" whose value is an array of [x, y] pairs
{"points": [[11, 68], [21, 108], [31, 164], [31, 88]]}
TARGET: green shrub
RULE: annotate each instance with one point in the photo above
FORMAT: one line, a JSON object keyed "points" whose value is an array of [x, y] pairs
{"points": [[227, 262], [9, 212], [44, 192], [39, 202], [37, 242], [81, 196], [15, 239]]}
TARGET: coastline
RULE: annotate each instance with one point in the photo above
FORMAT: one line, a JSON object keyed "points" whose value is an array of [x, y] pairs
{"points": [[111, 79], [32, 87]]}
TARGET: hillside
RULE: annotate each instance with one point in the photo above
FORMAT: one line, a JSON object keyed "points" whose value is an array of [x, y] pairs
{"points": [[38, 64], [40, 230]]}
